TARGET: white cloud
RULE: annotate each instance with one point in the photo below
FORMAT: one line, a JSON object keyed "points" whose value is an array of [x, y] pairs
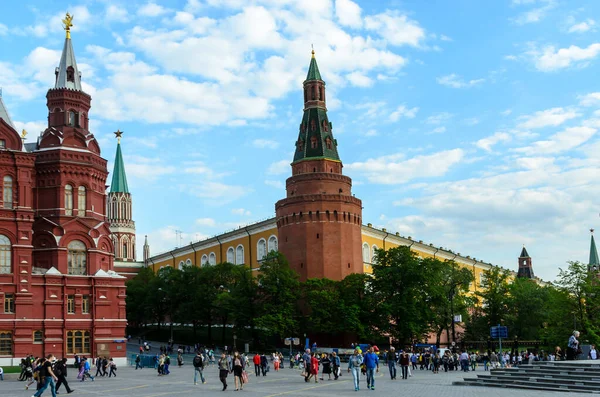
{"points": [[395, 28], [358, 79], [550, 59], [443, 37], [216, 193], [371, 132], [438, 130], [151, 10], [591, 99], [395, 169], [146, 169], [3, 30], [209, 222], [545, 118], [348, 13], [403, 112], [241, 212], [472, 121], [487, 143], [506, 112], [33, 128], [275, 184], [455, 81], [562, 141], [439, 118], [582, 27], [116, 13], [265, 143], [534, 15], [279, 167]]}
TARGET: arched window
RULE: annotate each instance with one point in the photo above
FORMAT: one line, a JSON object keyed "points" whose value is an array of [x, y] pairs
{"points": [[204, 260], [374, 253], [180, 266], [188, 262], [68, 200], [261, 249], [77, 258], [72, 118], [124, 253], [81, 201], [366, 254], [5, 255], [273, 244], [212, 259], [230, 255], [239, 255], [8, 192]]}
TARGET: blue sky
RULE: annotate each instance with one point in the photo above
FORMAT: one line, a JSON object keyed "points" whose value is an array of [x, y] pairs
{"points": [[468, 124]]}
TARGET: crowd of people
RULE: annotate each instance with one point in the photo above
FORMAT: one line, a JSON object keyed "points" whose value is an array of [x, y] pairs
{"points": [[50, 373]]}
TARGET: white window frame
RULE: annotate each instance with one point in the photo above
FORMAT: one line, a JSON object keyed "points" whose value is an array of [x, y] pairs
{"points": [[239, 259], [231, 255], [272, 244], [261, 249]]}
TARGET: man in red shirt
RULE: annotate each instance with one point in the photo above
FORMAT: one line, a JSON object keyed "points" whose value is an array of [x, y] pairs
{"points": [[256, 361]]}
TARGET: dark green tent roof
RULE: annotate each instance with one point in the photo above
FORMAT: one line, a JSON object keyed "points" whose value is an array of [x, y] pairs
{"points": [[119, 179]]}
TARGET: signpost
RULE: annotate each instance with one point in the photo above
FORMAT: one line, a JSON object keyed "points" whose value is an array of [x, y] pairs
{"points": [[291, 341], [500, 332]]}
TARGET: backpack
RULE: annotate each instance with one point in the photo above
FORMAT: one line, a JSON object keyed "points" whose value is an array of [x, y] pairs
{"points": [[168, 360], [198, 361], [58, 370]]}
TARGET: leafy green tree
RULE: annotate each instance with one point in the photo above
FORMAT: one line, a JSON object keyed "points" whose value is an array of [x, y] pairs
{"points": [[401, 295], [278, 291], [359, 305], [528, 311], [494, 296], [139, 306]]}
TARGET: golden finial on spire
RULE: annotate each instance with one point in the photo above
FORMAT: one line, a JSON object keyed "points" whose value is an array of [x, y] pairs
{"points": [[313, 50], [68, 22], [592, 231], [23, 134], [118, 134]]}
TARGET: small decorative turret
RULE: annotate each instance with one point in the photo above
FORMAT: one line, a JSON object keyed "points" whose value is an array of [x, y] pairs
{"points": [[146, 250], [525, 266]]}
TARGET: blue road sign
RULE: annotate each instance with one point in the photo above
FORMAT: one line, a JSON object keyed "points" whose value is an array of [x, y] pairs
{"points": [[499, 332]]}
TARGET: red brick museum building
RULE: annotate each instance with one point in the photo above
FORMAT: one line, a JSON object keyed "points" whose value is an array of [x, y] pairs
{"points": [[58, 287]]}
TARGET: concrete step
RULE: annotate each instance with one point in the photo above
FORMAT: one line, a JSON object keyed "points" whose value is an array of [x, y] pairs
{"points": [[548, 379], [583, 376], [474, 382]]}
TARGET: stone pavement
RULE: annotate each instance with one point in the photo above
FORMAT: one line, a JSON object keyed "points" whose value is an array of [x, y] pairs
{"points": [[146, 383]]}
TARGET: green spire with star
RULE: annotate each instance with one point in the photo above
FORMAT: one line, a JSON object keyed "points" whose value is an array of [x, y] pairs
{"points": [[594, 263], [119, 179], [313, 69]]}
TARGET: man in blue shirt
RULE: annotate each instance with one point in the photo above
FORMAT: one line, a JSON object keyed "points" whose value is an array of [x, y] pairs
{"points": [[371, 362]]}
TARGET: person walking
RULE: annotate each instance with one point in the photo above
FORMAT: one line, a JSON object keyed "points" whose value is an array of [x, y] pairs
{"points": [[391, 362], [335, 362], [138, 362], [313, 368], [306, 363], [238, 369], [86, 370], [224, 369], [372, 366], [256, 361], [593, 354], [47, 377], [264, 364], [98, 366], [276, 362], [404, 364], [326, 363], [573, 346], [199, 367], [60, 370], [167, 363], [112, 366], [354, 363]]}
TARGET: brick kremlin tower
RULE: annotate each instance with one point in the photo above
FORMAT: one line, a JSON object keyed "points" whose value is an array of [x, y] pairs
{"points": [[119, 210], [319, 222], [525, 266]]}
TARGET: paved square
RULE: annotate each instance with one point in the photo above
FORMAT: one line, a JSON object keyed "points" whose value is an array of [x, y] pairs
{"points": [[146, 383]]}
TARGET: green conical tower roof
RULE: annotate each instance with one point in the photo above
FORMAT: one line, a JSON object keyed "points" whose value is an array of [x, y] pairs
{"points": [[524, 253], [119, 179], [313, 69], [315, 139], [593, 254]]}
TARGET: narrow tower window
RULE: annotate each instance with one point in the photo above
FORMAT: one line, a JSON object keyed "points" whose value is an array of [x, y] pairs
{"points": [[77, 254], [68, 200], [72, 118], [81, 201], [8, 192]]}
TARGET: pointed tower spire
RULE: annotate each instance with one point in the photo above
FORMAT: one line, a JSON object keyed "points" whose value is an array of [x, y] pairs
{"points": [[594, 263], [146, 250], [67, 74], [120, 210], [315, 139], [4, 113], [119, 179], [525, 266]]}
